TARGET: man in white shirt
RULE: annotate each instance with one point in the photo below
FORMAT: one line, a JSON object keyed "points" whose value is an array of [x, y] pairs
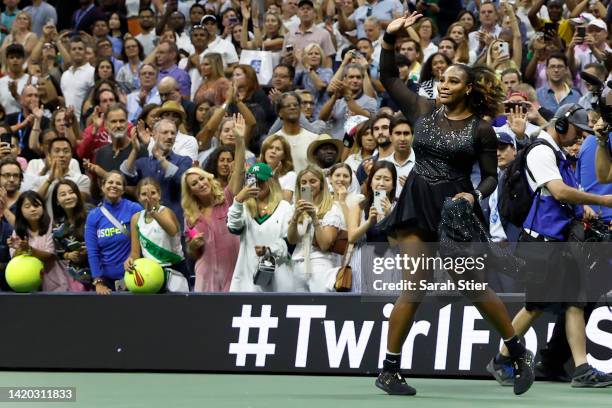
{"points": [[218, 44], [288, 109], [289, 16], [488, 26], [11, 85], [60, 155], [403, 156], [79, 78], [184, 145], [148, 37], [556, 208]]}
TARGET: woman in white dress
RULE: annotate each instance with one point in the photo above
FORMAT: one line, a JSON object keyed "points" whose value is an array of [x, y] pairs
{"points": [[260, 216], [313, 229], [276, 152]]}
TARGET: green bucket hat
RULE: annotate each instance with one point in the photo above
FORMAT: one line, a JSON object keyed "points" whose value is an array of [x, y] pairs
{"points": [[261, 171]]}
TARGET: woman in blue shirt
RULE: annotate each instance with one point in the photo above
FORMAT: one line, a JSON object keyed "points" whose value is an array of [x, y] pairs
{"points": [[108, 243]]}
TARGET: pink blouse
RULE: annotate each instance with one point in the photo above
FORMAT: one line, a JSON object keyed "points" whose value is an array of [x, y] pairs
{"points": [[215, 266]]}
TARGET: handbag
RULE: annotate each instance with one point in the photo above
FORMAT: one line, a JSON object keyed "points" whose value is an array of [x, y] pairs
{"points": [[265, 270], [339, 246], [176, 281], [263, 62], [344, 276]]}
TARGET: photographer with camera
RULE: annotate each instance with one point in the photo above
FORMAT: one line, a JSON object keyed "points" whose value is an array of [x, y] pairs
{"points": [[603, 156], [554, 279]]}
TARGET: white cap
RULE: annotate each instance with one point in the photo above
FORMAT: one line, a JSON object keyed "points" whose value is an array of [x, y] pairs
{"points": [[352, 122], [598, 23]]}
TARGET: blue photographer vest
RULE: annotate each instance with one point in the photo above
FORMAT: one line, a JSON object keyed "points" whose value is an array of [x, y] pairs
{"points": [[550, 217]]}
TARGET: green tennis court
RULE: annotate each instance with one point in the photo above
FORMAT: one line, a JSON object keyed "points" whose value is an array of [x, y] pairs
{"points": [[120, 390]]}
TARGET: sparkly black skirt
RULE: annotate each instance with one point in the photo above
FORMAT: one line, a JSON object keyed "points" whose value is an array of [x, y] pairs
{"points": [[420, 204]]}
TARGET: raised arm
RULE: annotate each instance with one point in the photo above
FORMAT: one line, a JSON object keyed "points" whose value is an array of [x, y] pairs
{"points": [[412, 105], [535, 21], [236, 180]]}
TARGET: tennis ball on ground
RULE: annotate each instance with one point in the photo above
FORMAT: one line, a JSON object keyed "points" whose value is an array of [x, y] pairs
{"points": [[147, 276], [24, 273]]}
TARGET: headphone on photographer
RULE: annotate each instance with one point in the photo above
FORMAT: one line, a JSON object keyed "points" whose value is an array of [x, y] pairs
{"points": [[562, 123]]}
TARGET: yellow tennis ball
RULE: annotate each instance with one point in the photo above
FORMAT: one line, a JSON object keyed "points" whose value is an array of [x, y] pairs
{"points": [[147, 276], [24, 273]]}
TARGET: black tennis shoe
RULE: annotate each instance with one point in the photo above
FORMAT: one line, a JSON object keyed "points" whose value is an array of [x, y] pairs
{"points": [[393, 384], [523, 372]]}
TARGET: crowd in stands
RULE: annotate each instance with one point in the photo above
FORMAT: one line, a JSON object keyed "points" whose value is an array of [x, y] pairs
{"points": [[210, 135]]}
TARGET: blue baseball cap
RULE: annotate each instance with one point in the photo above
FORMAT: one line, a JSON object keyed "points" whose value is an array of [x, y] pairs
{"points": [[505, 138]]}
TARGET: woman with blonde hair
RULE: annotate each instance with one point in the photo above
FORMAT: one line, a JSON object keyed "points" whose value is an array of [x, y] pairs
{"points": [[313, 229], [503, 54], [274, 32], [214, 84], [260, 216], [205, 205], [314, 77], [458, 34], [21, 33], [276, 152]]}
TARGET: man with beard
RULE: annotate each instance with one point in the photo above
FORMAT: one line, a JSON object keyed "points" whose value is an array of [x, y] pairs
{"points": [[287, 108], [10, 184], [184, 145], [96, 135], [381, 130], [60, 154], [347, 99], [11, 180], [162, 164], [110, 156], [176, 22], [325, 152], [147, 37]]}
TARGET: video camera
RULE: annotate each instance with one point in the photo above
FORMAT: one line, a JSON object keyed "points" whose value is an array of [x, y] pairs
{"points": [[603, 104]]}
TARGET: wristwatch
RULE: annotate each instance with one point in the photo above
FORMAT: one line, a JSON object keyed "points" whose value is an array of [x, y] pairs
{"points": [[97, 280]]}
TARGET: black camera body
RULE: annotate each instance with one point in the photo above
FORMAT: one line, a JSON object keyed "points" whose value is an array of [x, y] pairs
{"points": [[602, 104]]}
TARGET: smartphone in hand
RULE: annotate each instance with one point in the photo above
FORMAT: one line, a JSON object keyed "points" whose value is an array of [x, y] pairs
{"points": [[306, 193]]}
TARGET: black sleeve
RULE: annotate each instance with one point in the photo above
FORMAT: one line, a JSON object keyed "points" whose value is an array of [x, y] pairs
{"points": [[486, 149], [412, 105]]}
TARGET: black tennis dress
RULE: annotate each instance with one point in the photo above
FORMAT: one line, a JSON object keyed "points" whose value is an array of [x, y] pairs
{"points": [[446, 151]]}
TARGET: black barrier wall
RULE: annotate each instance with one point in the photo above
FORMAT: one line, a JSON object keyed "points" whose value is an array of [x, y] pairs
{"points": [[255, 333]]}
